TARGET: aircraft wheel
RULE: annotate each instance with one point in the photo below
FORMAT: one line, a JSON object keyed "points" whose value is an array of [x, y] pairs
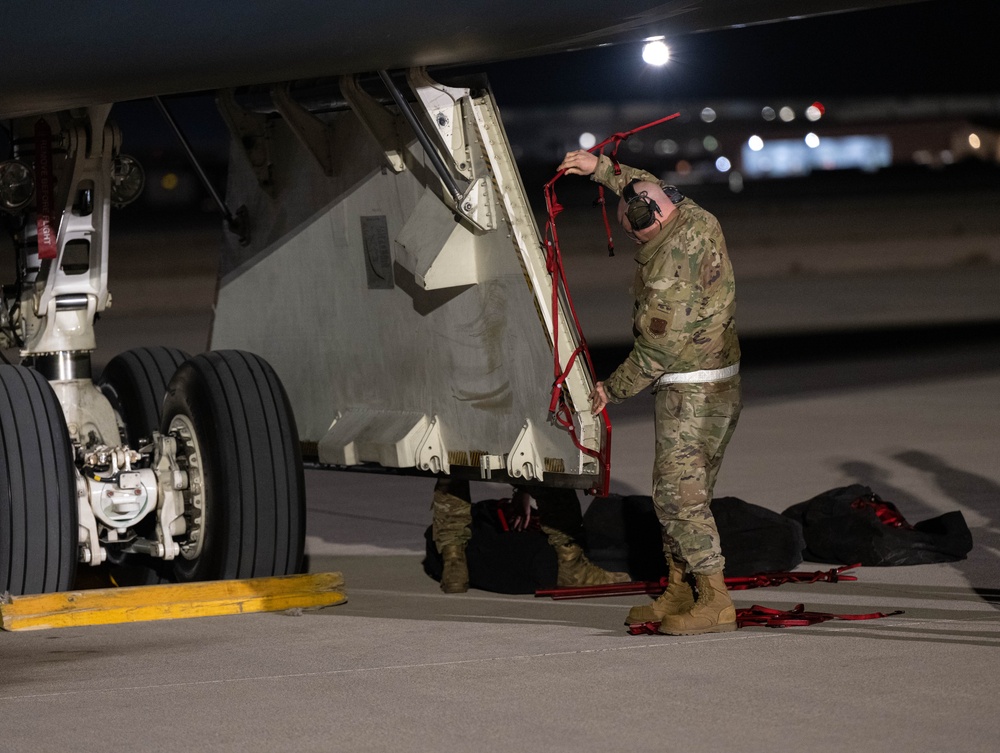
{"points": [[135, 382], [236, 438], [38, 514]]}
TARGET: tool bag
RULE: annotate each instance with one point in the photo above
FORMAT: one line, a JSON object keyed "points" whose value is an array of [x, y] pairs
{"points": [[852, 524]]}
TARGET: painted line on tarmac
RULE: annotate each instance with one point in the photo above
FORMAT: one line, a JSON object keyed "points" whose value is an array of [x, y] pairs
{"points": [[686, 641]]}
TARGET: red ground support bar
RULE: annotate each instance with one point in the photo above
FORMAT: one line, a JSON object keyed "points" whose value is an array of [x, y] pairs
{"points": [[655, 588]]}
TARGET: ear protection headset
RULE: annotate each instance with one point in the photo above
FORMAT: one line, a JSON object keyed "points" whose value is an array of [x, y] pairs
{"points": [[639, 208]]}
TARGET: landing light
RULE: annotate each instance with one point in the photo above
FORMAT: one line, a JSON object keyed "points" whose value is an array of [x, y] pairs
{"points": [[127, 180], [656, 53], [17, 185]]}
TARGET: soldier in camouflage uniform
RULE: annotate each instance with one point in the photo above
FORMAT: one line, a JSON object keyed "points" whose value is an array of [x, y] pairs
{"points": [[685, 343], [560, 518]]}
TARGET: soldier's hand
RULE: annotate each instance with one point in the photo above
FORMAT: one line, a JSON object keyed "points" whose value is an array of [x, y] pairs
{"points": [[598, 398], [579, 163]]}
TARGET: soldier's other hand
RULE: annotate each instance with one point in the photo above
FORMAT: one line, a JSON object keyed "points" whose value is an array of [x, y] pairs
{"points": [[598, 398], [579, 163]]}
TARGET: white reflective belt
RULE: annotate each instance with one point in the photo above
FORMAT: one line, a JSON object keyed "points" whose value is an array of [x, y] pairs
{"points": [[705, 375]]}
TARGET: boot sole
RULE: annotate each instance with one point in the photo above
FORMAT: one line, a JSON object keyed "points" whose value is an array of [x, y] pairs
{"points": [[725, 627]]}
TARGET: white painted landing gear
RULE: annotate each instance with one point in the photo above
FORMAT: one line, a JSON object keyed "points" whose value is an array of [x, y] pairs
{"points": [[170, 466]]}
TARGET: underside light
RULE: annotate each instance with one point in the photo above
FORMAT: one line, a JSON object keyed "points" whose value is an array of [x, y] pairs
{"points": [[587, 140], [127, 180], [723, 165], [756, 143], [655, 52], [812, 140], [17, 185]]}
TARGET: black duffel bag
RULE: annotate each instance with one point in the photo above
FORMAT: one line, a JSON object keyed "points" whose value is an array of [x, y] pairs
{"points": [[852, 524]]}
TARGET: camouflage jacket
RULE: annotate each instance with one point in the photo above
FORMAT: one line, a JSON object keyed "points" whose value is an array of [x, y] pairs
{"points": [[685, 296]]}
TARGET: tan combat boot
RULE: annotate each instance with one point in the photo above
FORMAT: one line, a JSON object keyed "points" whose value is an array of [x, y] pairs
{"points": [[576, 570], [713, 610], [676, 599], [455, 576]]}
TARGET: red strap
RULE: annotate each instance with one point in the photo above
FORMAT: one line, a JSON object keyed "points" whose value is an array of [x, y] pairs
{"points": [[885, 511], [560, 412], [45, 199]]}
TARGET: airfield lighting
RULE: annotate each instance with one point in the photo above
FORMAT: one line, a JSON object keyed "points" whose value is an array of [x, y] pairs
{"points": [[17, 185], [723, 165], [708, 115], [587, 140], [768, 113], [756, 143], [127, 180], [812, 140], [815, 111], [710, 143], [787, 114], [655, 52], [974, 141]]}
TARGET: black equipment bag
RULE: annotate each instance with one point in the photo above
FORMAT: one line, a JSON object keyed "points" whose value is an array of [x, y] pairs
{"points": [[623, 534], [852, 524], [501, 559]]}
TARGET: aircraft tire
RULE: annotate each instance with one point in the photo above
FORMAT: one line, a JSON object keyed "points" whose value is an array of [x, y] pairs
{"points": [[38, 513], [135, 382], [236, 436]]}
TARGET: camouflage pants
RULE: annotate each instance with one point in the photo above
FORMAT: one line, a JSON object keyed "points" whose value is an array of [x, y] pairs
{"points": [[558, 512], [694, 423]]}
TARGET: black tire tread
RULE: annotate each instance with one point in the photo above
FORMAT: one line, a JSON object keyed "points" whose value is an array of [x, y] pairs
{"points": [[38, 515], [246, 425]]}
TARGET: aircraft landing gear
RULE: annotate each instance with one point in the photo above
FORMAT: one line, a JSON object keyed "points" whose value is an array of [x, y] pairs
{"points": [[206, 484]]}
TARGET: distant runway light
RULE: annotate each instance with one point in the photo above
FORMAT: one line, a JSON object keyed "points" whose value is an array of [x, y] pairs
{"points": [[756, 143], [710, 143], [787, 114], [723, 164], [768, 113], [587, 140], [665, 147], [974, 141], [813, 113], [812, 140], [656, 53], [169, 181], [708, 115]]}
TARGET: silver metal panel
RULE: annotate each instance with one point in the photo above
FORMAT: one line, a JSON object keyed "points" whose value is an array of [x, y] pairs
{"points": [[476, 356]]}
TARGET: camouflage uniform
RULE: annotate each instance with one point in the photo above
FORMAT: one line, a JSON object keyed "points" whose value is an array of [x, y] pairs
{"points": [[685, 302]]}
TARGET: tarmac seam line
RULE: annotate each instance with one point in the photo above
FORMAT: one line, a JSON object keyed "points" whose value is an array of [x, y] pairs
{"points": [[389, 667]]}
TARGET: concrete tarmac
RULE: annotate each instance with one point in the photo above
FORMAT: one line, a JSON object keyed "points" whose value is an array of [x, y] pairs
{"points": [[402, 667]]}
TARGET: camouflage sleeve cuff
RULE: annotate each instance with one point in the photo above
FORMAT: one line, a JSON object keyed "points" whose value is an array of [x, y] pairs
{"points": [[604, 174], [627, 380]]}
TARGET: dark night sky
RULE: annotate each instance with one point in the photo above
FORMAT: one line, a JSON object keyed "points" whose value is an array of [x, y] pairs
{"points": [[929, 48]]}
